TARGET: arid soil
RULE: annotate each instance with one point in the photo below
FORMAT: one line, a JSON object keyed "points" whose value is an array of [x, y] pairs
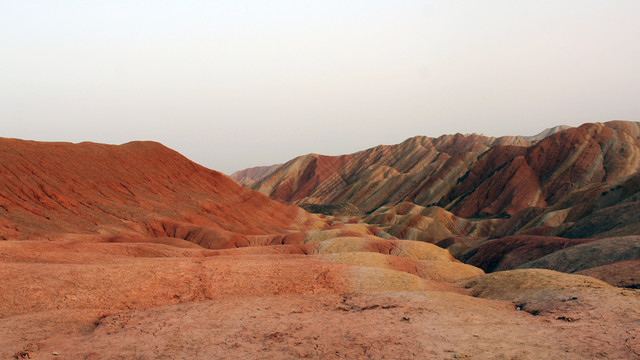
{"points": [[135, 252], [146, 301]]}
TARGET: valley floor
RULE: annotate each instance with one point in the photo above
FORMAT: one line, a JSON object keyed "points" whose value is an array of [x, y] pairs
{"points": [[145, 301]]}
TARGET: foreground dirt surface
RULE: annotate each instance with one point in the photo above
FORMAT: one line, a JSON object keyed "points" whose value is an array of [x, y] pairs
{"points": [[154, 301]]}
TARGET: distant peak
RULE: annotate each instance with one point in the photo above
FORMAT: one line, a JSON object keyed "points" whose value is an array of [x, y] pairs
{"points": [[546, 133]]}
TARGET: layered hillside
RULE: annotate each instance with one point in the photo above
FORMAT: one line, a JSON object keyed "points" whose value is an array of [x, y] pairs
{"points": [[555, 178], [421, 169], [248, 177], [389, 161], [62, 190], [507, 180], [133, 251]]}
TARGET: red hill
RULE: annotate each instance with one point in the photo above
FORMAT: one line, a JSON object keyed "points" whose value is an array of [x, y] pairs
{"points": [[54, 190]]}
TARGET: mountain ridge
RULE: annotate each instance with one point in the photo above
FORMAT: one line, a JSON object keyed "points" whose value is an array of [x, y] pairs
{"points": [[58, 189], [473, 176], [249, 176]]}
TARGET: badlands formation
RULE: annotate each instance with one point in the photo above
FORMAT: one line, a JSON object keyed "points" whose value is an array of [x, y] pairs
{"points": [[462, 246]]}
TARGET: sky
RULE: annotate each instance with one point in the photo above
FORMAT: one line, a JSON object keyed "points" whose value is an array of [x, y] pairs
{"points": [[237, 84]]}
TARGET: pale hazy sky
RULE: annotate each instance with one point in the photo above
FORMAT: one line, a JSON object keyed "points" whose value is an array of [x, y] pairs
{"points": [[235, 84]]}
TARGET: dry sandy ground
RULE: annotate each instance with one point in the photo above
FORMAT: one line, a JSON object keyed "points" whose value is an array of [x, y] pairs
{"points": [[116, 303]]}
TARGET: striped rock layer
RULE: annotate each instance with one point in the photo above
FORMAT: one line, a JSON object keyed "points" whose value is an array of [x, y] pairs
{"points": [[539, 184]]}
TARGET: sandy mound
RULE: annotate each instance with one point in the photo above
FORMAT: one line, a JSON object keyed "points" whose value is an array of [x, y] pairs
{"points": [[374, 279], [419, 251], [559, 296], [428, 269], [446, 271], [511, 284], [428, 224], [401, 248]]}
